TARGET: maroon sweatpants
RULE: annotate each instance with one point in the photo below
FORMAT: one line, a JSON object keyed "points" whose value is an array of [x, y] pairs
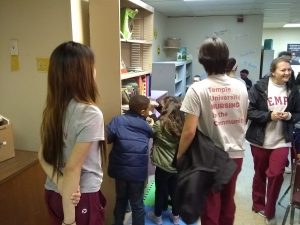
{"points": [[269, 167], [220, 207], [89, 211]]}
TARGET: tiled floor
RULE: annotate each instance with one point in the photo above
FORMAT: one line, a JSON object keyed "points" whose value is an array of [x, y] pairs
{"points": [[244, 214]]}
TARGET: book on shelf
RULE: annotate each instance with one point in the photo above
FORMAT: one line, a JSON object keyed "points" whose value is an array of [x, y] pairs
{"points": [[129, 88], [123, 67], [142, 81], [148, 77], [137, 85]]}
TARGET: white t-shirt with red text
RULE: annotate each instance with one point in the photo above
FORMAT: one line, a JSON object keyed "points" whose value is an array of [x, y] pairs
{"points": [[277, 101], [221, 103]]}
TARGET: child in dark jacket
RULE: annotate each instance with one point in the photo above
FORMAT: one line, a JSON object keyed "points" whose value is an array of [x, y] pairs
{"points": [[166, 137], [128, 159]]}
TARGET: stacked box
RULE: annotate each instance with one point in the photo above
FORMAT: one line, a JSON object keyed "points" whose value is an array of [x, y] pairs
{"points": [[7, 149]]}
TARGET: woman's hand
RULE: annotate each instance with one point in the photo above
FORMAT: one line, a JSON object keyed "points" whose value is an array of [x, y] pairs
{"points": [[75, 198], [286, 116], [64, 223], [280, 116], [275, 116]]}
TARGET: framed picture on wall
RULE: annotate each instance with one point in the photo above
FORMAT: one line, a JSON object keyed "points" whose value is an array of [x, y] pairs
{"points": [[295, 50]]}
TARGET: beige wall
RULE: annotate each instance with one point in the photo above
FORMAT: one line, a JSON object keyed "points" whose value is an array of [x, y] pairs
{"points": [[39, 26]]}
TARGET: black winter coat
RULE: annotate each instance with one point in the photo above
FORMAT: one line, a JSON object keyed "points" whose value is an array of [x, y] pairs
{"points": [[259, 114], [203, 168]]}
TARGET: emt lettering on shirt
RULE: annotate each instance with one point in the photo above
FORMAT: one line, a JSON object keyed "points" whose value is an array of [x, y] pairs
{"points": [[277, 100]]}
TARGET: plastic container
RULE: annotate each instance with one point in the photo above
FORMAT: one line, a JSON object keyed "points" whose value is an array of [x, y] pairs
{"points": [[268, 44], [173, 42]]}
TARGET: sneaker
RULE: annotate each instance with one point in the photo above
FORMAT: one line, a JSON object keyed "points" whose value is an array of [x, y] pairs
{"points": [[128, 208], [156, 219], [271, 221], [175, 219], [260, 212], [288, 170]]}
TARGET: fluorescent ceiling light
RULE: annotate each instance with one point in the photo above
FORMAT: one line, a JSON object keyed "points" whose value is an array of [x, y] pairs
{"points": [[292, 25]]}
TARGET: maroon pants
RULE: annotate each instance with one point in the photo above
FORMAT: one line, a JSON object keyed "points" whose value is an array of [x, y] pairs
{"points": [[89, 211], [269, 167], [220, 207]]}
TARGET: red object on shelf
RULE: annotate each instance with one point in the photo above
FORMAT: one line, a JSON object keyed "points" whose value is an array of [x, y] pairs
{"points": [[124, 70]]}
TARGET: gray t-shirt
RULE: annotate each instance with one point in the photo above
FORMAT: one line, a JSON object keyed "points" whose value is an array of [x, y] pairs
{"points": [[84, 123]]}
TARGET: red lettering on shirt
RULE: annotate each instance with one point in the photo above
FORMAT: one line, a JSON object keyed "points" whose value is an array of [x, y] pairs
{"points": [[277, 100]]}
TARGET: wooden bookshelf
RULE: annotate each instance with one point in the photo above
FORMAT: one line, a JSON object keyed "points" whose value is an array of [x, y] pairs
{"points": [[109, 49], [129, 75]]}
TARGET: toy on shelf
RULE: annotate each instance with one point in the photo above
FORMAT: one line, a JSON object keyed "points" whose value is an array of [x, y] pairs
{"points": [[127, 16]]}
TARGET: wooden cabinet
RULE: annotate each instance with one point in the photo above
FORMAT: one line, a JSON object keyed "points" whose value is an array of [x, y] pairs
{"points": [[22, 191], [172, 76]]}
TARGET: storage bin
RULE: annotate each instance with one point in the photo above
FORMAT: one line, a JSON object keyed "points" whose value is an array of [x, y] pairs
{"points": [[268, 44], [173, 42]]}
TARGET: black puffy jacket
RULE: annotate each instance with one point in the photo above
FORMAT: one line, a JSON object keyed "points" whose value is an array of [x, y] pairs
{"points": [[204, 167]]}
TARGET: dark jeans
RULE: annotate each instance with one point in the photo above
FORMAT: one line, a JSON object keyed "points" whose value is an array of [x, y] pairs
{"points": [[134, 192], [165, 184]]}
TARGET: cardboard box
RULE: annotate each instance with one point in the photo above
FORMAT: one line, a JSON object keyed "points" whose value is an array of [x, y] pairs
{"points": [[7, 148]]}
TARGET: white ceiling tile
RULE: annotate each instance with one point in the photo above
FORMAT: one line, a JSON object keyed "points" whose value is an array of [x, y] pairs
{"points": [[276, 12]]}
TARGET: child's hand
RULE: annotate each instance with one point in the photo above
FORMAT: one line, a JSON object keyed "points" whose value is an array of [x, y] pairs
{"points": [[153, 104], [75, 198], [150, 121]]}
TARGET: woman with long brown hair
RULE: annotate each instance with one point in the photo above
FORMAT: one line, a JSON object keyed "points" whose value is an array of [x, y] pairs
{"points": [[72, 136]]}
